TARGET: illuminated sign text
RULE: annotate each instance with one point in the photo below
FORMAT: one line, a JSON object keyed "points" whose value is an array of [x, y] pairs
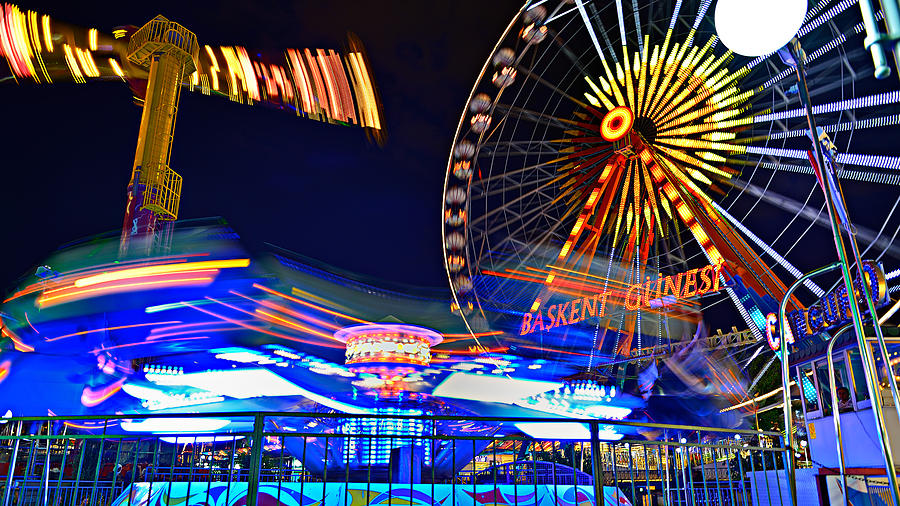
{"points": [[655, 293], [666, 290], [833, 309], [564, 314]]}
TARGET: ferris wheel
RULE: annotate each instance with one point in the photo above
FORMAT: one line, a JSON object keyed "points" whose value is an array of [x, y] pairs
{"points": [[617, 172]]}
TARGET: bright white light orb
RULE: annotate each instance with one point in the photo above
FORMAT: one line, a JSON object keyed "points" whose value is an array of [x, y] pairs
{"points": [[758, 27]]}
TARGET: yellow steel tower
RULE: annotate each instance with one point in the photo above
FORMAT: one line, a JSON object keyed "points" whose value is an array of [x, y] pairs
{"points": [[170, 52]]}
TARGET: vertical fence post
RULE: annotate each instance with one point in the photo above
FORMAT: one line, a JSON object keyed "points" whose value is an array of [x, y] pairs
{"points": [[93, 499], [12, 466], [596, 464], [255, 459], [44, 490]]}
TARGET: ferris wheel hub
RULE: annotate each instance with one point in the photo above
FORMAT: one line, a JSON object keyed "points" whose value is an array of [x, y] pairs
{"points": [[616, 124]]}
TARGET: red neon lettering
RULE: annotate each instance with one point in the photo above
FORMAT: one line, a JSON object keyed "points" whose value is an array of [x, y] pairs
{"points": [[629, 302], [526, 322], [573, 314], [690, 284]]}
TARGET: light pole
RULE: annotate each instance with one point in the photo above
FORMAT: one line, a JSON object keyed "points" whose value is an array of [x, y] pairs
{"points": [[864, 349]]}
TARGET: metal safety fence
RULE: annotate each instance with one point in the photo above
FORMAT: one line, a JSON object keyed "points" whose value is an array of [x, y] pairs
{"points": [[336, 459]]}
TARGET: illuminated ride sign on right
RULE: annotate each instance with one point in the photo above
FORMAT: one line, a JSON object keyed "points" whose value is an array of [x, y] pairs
{"points": [[833, 310]]}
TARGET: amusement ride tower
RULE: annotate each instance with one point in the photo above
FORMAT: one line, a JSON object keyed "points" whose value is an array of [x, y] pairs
{"points": [[157, 61], [169, 51]]}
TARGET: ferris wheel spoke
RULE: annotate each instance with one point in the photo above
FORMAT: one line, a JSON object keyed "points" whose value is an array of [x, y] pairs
{"points": [[856, 159], [518, 199], [559, 15], [636, 15], [536, 117], [826, 48], [592, 32], [531, 75], [813, 20], [493, 186], [791, 205], [518, 148], [543, 239], [874, 100], [881, 230], [890, 241], [829, 78], [846, 126], [571, 56], [805, 230], [542, 180], [769, 250], [526, 225], [842, 173]]}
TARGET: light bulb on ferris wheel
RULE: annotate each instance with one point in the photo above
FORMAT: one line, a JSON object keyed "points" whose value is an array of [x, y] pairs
{"points": [[760, 27]]}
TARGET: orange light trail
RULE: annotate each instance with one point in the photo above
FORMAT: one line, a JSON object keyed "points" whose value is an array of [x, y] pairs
{"points": [[453, 338], [4, 369], [309, 304], [90, 398], [576, 274], [77, 426], [120, 327], [205, 272], [62, 279], [27, 320], [43, 300], [250, 327], [17, 343], [129, 345], [138, 272], [297, 326], [290, 312], [572, 281], [557, 288]]}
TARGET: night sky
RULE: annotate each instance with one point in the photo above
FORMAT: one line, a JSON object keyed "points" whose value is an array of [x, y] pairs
{"points": [[317, 189], [321, 190]]}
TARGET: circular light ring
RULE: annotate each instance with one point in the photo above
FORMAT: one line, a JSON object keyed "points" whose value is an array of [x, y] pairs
{"points": [[616, 124]]}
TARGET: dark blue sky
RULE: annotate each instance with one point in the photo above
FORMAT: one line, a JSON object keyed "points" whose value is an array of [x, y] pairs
{"points": [[317, 189], [321, 190]]}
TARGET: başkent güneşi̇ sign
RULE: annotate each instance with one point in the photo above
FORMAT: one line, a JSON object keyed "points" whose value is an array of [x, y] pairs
{"points": [[654, 293]]}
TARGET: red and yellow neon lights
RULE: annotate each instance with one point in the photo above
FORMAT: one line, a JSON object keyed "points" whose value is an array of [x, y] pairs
{"points": [[683, 285], [152, 270], [561, 315], [616, 124], [139, 278], [653, 293]]}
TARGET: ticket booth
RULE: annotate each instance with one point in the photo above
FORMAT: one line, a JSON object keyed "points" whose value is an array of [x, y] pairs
{"points": [[812, 403]]}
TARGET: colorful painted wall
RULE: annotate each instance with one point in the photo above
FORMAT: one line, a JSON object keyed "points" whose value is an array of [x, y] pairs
{"points": [[362, 494]]}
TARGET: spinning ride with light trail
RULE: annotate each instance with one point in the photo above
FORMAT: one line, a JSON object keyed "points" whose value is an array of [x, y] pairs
{"points": [[161, 58], [617, 172]]}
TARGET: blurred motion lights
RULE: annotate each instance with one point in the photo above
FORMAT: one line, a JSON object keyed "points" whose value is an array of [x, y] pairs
{"points": [[388, 343]]}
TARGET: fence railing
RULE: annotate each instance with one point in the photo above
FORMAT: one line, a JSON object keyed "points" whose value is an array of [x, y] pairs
{"points": [[336, 459]]}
